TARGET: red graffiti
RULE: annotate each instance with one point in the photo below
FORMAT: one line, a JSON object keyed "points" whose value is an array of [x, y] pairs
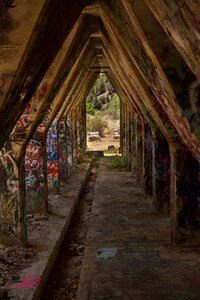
{"points": [[23, 122], [42, 90], [52, 168]]}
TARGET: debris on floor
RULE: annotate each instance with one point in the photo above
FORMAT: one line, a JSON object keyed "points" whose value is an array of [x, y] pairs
{"points": [[12, 259]]}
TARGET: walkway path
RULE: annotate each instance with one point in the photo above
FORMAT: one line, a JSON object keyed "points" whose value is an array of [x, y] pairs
{"points": [[127, 254]]}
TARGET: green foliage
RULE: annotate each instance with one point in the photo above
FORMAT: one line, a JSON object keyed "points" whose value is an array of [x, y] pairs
{"points": [[114, 107], [96, 123], [102, 103], [103, 93], [116, 162], [102, 88], [90, 108]]}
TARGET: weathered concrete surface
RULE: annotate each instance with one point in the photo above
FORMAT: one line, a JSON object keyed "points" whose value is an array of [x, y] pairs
{"points": [[141, 263], [46, 242]]}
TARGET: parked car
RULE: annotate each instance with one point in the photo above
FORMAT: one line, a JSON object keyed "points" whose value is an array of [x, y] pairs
{"points": [[115, 135], [93, 136]]}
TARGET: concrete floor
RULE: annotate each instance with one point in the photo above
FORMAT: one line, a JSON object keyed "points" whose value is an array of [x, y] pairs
{"points": [[128, 253]]}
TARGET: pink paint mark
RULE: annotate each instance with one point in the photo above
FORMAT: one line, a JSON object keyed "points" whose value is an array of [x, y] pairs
{"points": [[28, 282]]}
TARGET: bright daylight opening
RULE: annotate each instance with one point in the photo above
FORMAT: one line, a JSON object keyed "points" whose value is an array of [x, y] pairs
{"points": [[103, 117]]}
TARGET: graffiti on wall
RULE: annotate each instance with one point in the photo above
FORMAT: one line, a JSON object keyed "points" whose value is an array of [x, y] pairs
{"points": [[9, 167], [52, 158], [62, 149], [34, 172], [160, 89], [9, 190], [79, 139], [22, 126], [69, 142]]}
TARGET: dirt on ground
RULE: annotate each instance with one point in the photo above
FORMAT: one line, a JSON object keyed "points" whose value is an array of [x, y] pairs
{"points": [[12, 260], [103, 144]]}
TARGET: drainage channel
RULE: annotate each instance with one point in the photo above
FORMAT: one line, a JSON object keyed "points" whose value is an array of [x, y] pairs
{"points": [[64, 279]]}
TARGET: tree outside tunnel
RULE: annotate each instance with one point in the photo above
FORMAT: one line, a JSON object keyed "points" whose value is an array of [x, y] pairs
{"points": [[103, 116]]}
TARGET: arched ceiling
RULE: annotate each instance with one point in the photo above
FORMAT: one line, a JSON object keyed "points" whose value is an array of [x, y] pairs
{"points": [[68, 43]]}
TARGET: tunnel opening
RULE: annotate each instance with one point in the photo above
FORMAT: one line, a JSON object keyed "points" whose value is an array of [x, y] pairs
{"points": [[103, 117]]}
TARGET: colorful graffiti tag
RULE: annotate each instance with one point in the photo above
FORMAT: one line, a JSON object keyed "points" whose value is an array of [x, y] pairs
{"points": [[160, 89], [62, 149], [52, 158], [9, 190], [22, 126], [34, 171]]}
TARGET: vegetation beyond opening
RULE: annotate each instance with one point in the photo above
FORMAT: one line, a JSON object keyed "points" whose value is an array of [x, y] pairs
{"points": [[103, 116]]}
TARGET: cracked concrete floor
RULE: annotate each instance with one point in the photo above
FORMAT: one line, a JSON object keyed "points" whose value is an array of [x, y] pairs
{"points": [[142, 264]]}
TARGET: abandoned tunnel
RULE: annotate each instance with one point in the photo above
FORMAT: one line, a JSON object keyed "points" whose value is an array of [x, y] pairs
{"points": [[51, 54]]}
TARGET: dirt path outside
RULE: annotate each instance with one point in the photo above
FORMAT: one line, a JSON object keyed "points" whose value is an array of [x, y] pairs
{"points": [[103, 144]]}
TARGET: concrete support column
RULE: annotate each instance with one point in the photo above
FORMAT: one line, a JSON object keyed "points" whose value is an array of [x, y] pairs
{"points": [[139, 150], [82, 129], [132, 134], [21, 218], [12, 193], [36, 174], [131, 144], [148, 160], [160, 172], [79, 131], [74, 137], [128, 138], [53, 159], [62, 149], [173, 193], [185, 189], [14, 166], [123, 130], [154, 185], [121, 126], [69, 144]]}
